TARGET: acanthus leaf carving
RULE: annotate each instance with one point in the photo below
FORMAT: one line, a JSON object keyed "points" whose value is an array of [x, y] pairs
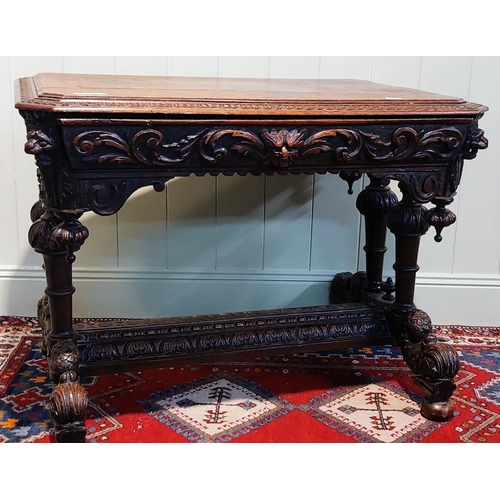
{"points": [[277, 147], [148, 147], [249, 145], [175, 345], [87, 144], [444, 142], [138, 348], [97, 352], [400, 145]]}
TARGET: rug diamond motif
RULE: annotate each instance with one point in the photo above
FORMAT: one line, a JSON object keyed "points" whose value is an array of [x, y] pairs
{"points": [[216, 407], [377, 411], [490, 391]]}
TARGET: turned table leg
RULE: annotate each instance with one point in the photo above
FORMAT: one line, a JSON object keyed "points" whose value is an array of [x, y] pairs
{"points": [[374, 202], [57, 236], [434, 365]]}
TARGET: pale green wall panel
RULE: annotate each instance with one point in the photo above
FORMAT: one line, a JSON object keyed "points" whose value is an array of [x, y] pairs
{"points": [[142, 231], [240, 222], [477, 248], [288, 222], [401, 71], [141, 65], [244, 66], [89, 64], [192, 66], [345, 67], [294, 66], [101, 247], [335, 225], [191, 223], [9, 253], [448, 75]]}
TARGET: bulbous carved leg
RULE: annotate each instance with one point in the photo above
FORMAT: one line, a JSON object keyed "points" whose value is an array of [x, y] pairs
{"points": [[57, 236], [434, 365]]}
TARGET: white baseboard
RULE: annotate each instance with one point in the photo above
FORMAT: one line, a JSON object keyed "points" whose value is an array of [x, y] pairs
{"points": [[472, 300]]}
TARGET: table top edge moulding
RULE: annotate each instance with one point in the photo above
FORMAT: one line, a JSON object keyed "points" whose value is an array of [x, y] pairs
{"points": [[98, 138], [69, 93]]}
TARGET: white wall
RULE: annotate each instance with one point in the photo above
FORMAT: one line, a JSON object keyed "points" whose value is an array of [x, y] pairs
{"points": [[231, 243]]}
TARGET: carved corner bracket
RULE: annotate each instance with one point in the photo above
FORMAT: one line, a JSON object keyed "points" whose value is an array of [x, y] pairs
{"points": [[54, 176], [474, 141], [106, 197]]}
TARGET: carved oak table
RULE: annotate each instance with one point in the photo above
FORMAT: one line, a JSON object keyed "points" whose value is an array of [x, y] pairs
{"points": [[97, 139]]}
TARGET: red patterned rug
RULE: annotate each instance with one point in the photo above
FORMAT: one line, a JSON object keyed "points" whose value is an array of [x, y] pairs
{"points": [[350, 396]]}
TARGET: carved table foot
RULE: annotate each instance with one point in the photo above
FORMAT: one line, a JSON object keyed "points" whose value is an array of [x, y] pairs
{"points": [[434, 365], [69, 400], [347, 288], [69, 403]]}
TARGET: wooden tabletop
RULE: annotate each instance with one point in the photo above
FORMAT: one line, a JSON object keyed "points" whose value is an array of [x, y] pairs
{"points": [[81, 93]]}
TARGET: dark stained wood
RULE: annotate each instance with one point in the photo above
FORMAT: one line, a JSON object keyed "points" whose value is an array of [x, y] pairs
{"points": [[98, 138], [219, 336]]}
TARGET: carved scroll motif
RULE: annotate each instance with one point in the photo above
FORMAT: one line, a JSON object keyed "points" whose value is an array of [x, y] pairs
{"points": [[107, 197], [423, 186], [425, 356], [434, 365], [277, 147]]}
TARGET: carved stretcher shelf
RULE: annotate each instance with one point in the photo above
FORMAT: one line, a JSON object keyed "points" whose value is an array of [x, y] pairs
{"points": [[98, 138]]}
